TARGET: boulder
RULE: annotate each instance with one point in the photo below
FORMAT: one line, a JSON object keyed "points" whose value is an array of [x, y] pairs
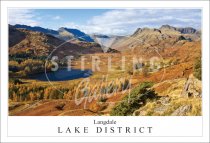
{"points": [[192, 87], [182, 111]]}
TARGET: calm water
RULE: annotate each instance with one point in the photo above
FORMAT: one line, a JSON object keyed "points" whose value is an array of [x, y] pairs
{"points": [[62, 75]]}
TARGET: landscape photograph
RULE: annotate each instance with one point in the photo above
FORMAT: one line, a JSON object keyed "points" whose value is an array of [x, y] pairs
{"points": [[105, 62]]}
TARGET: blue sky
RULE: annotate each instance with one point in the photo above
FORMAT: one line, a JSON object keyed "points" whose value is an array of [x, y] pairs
{"points": [[106, 21]]}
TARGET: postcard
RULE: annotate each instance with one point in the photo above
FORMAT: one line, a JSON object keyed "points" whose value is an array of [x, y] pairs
{"points": [[115, 71]]}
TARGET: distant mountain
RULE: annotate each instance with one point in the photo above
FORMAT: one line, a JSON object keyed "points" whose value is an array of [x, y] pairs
{"points": [[99, 36], [145, 39], [106, 41], [62, 33], [37, 29], [186, 30], [68, 34], [27, 42]]}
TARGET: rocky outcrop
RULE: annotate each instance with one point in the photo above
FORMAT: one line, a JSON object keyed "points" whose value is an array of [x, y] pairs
{"points": [[167, 27], [185, 30], [182, 111], [178, 98], [170, 106], [181, 87], [188, 30], [192, 87], [139, 30]]}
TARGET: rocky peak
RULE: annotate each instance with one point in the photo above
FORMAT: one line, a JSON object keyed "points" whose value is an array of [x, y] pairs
{"points": [[185, 30], [140, 30], [167, 27]]}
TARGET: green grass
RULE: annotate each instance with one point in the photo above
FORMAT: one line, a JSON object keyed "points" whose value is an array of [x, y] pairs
{"points": [[132, 101]]}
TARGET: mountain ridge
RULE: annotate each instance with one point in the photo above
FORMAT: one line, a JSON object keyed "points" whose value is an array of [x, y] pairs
{"points": [[41, 44], [70, 32], [143, 38], [164, 37]]}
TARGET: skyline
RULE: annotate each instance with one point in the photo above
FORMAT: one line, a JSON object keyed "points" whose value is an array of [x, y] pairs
{"points": [[106, 21]]}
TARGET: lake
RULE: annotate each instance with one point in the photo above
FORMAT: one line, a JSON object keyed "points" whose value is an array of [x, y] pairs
{"points": [[62, 75]]}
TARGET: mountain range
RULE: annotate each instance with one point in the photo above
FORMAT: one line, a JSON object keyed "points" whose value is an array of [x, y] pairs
{"points": [[142, 40], [164, 37], [62, 33], [75, 34], [24, 42]]}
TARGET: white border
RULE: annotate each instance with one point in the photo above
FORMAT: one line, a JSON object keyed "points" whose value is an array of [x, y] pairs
{"points": [[105, 4]]}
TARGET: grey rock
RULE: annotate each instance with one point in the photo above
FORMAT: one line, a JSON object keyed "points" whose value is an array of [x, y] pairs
{"points": [[182, 111], [165, 100], [161, 109], [192, 87]]}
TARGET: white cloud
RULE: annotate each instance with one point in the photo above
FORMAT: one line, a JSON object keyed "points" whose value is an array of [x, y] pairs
{"points": [[56, 17], [71, 25], [113, 22], [22, 16], [126, 21]]}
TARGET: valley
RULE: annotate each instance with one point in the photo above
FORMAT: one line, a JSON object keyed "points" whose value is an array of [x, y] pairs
{"points": [[152, 72]]}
